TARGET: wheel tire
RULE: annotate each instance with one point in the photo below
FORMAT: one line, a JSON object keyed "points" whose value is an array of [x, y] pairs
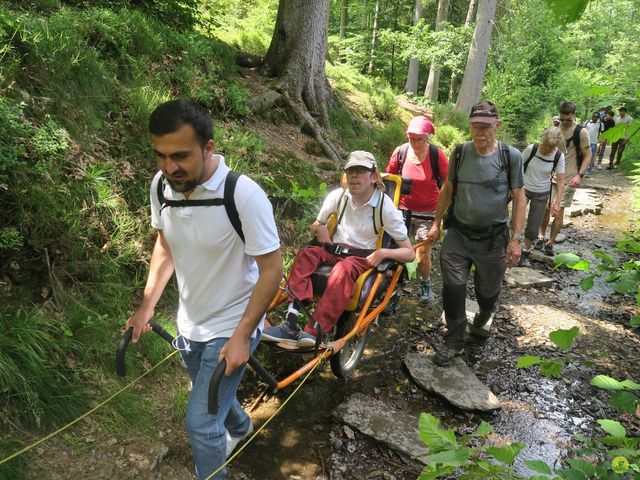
{"points": [[345, 361]]}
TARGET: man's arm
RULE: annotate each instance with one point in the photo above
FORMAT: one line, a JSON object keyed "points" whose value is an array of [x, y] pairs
{"points": [[444, 200], [404, 253], [555, 208], [236, 350], [514, 249], [160, 270]]}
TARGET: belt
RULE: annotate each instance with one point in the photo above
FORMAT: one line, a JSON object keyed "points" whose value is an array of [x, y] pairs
{"points": [[344, 251]]}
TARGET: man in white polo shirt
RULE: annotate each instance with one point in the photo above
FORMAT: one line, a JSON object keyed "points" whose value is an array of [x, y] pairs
{"points": [[226, 274], [355, 207]]}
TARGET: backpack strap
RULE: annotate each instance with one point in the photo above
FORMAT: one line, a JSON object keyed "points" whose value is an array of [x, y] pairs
{"points": [[505, 158], [575, 138], [435, 168], [534, 150], [228, 201], [556, 159], [401, 156]]}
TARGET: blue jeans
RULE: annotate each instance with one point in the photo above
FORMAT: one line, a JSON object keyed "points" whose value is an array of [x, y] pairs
{"points": [[208, 432], [594, 147]]}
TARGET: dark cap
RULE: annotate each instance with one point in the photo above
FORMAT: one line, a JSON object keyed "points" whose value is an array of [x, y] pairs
{"points": [[623, 108], [484, 112]]}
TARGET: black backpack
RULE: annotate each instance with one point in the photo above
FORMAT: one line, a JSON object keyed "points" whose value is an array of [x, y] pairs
{"points": [[534, 150], [227, 200], [433, 160], [575, 138]]}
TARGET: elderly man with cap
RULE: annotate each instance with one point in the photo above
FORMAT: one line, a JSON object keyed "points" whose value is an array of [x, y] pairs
{"points": [[426, 165], [352, 250], [483, 175]]}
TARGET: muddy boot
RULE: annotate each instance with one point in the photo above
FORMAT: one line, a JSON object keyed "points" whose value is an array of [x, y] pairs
{"points": [[443, 357], [481, 327], [524, 259]]}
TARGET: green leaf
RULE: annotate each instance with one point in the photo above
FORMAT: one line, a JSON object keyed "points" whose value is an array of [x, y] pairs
{"points": [[627, 283], [506, 454], [630, 385], [582, 265], [624, 401], [638, 300], [433, 436], [566, 258], [604, 257], [538, 466], [614, 134], [612, 277], [597, 90], [582, 466], [606, 383], [567, 10], [571, 474], [527, 361], [483, 430], [635, 321], [613, 428], [587, 283], [551, 368], [564, 338], [452, 458]]}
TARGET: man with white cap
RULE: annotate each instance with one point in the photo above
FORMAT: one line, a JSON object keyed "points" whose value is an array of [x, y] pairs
{"points": [[426, 165], [352, 250], [483, 175]]}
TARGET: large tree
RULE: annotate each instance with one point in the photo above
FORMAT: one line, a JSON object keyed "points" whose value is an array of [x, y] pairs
{"points": [[413, 74], [296, 57], [453, 85], [433, 82], [478, 52]]}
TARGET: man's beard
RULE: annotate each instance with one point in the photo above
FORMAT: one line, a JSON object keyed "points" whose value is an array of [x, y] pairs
{"points": [[182, 187]]}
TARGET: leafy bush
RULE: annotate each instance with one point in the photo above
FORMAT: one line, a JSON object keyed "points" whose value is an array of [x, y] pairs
{"points": [[10, 239], [447, 137]]}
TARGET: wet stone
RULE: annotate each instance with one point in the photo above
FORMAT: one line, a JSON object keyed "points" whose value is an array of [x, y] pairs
{"points": [[524, 277], [380, 420], [456, 383]]}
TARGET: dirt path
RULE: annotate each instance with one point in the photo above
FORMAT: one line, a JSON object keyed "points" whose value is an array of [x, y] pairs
{"points": [[306, 442]]}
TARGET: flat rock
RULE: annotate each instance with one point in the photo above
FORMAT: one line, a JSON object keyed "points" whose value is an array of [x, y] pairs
{"points": [[585, 200], [524, 277], [457, 383], [382, 421], [538, 256]]}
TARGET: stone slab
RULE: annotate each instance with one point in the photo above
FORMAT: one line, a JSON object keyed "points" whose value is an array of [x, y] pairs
{"points": [[456, 383], [382, 421], [524, 277], [538, 256]]}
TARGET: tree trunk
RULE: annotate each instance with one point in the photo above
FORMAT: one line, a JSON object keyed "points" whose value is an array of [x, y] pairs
{"points": [[433, 83], [296, 57], [477, 61], [411, 86], [344, 17], [374, 37], [453, 86]]}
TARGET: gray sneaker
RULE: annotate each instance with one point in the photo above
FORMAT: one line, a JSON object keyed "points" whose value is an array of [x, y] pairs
{"points": [[281, 334], [306, 340], [426, 295], [443, 357]]}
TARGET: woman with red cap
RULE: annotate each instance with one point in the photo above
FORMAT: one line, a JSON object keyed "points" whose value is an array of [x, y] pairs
{"points": [[427, 166]]}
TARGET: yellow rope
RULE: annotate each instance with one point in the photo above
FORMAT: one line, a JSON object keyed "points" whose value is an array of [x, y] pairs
{"points": [[255, 434], [33, 445]]}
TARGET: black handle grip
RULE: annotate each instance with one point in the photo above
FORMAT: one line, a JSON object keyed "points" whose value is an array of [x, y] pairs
{"points": [[214, 386], [264, 374], [123, 344]]}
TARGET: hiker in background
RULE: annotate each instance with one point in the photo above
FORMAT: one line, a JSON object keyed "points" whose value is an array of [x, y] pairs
{"points": [[556, 121], [619, 145], [352, 250], [483, 175], [594, 127], [608, 122], [540, 162], [577, 159], [426, 165], [226, 275]]}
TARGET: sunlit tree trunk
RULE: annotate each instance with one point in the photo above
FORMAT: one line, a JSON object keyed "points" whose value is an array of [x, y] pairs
{"points": [[411, 86], [478, 52], [296, 57], [344, 17], [431, 90], [453, 86], [374, 37]]}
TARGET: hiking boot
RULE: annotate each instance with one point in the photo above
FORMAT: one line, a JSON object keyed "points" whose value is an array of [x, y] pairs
{"points": [[282, 333], [524, 259], [481, 326], [539, 243], [232, 442], [443, 357], [548, 250], [426, 295], [305, 340]]}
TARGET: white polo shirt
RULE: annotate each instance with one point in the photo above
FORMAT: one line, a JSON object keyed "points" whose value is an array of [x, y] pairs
{"points": [[356, 227], [214, 268]]}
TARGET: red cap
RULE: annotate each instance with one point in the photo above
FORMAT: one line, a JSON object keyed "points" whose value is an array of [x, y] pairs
{"points": [[421, 126]]}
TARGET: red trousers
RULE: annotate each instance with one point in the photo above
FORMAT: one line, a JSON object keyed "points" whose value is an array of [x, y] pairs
{"points": [[340, 285]]}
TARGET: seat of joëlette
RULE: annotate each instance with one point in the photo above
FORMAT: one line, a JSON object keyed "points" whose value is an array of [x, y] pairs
{"points": [[395, 186]]}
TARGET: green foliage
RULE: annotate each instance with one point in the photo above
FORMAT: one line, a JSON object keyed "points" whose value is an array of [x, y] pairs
{"points": [[623, 399], [447, 137], [10, 239], [562, 338]]}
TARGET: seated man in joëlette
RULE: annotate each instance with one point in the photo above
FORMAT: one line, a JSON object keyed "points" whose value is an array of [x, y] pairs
{"points": [[352, 249]]}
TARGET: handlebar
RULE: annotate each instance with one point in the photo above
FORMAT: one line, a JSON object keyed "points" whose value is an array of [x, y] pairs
{"points": [[123, 344]]}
